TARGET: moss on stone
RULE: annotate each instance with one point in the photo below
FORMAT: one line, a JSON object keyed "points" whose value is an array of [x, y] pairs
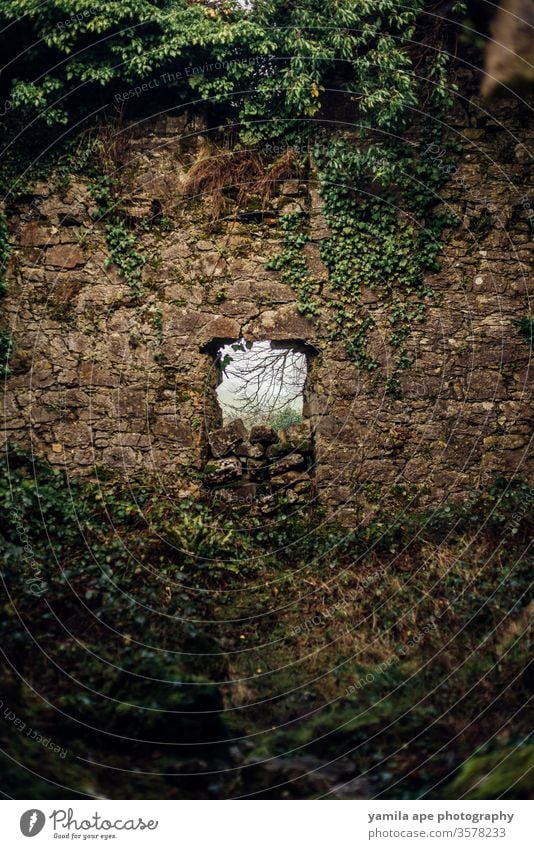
{"points": [[504, 774]]}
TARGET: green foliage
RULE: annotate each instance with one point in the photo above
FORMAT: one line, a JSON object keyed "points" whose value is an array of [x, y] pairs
{"points": [[89, 595], [112, 586], [382, 238], [285, 418], [404, 682], [293, 268], [207, 543], [273, 59], [525, 327], [120, 240], [281, 57], [121, 243], [503, 774]]}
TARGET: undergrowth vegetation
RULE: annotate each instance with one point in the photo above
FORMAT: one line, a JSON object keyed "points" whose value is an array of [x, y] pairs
{"points": [[105, 626]]}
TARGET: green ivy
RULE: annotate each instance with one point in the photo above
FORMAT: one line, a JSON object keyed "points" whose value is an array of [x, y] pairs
{"points": [[120, 240], [525, 328], [293, 268], [5, 351], [383, 238]]}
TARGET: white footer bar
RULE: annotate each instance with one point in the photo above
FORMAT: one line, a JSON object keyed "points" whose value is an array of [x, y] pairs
{"points": [[267, 824]]}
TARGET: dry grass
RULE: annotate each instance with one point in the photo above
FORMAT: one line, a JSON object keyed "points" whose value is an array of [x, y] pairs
{"points": [[112, 148], [245, 173]]}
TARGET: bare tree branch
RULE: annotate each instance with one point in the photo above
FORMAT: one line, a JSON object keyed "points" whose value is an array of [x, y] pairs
{"points": [[260, 381]]}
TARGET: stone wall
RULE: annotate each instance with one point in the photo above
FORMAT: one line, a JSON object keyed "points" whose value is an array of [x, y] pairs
{"points": [[100, 381], [260, 469]]}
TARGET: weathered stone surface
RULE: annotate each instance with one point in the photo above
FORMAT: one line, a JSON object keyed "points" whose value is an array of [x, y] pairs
{"points": [[255, 452], [170, 429], [221, 327], [93, 374], [257, 470], [222, 471], [64, 256], [183, 322], [292, 461], [225, 439], [302, 487], [35, 234], [279, 449], [119, 457], [285, 323], [268, 505], [289, 479], [263, 434], [315, 264], [298, 437], [131, 403], [292, 188]]}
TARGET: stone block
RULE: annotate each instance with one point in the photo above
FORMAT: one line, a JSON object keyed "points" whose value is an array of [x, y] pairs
{"points": [[292, 461], [170, 429], [280, 449], [315, 264], [64, 256], [225, 439], [90, 374], [292, 188], [282, 324], [257, 470], [338, 495], [35, 235], [298, 437], [131, 402], [254, 452], [263, 434], [223, 471], [243, 495], [221, 327], [289, 479], [119, 456]]}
